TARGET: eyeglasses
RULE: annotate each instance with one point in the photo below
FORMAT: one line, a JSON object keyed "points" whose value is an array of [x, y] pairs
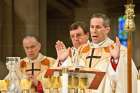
{"points": [[77, 35]]}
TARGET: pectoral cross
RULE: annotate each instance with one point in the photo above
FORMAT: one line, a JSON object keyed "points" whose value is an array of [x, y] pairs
{"points": [[91, 57], [32, 69]]}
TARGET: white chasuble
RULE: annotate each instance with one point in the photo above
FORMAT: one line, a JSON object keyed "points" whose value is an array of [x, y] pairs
{"points": [[100, 60]]}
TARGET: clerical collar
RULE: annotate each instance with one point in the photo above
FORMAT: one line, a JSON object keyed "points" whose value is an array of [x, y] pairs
{"points": [[37, 59], [99, 44]]}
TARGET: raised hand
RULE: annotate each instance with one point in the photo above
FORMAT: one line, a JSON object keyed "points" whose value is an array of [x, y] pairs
{"points": [[62, 51], [115, 52]]}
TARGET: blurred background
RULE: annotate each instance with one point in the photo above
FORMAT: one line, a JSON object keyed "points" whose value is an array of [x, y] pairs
{"points": [[50, 20]]}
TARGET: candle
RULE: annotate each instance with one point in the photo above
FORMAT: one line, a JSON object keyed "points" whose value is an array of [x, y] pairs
{"points": [[64, 80]]}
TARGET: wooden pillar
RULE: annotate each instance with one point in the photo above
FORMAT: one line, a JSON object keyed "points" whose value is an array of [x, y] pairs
{"points": [[43, 24], [26, 21], [6, 29]]}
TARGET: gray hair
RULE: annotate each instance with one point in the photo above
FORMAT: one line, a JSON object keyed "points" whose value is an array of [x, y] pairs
{"points": [[105, 18]]}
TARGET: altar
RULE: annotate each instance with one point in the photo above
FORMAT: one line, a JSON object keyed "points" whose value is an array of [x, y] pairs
{"points": [[63, 80], [73, 80]]}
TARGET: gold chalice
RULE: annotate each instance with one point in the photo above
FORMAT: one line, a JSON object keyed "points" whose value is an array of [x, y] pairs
{"points": [[47, 84], [4, 85], [82, 84], [25, 85], [56, 83], [73, 84]]}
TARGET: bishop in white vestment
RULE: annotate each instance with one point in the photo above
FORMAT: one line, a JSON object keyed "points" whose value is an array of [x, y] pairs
{"points": [[101, 60]]}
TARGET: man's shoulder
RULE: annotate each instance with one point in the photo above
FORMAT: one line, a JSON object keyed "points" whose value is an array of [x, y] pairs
{"points": [[51, 60], [84, 48], [23, 62]]}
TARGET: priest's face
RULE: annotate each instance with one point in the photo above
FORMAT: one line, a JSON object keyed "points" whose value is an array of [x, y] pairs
{"points": [[31, 47], [78, 37], [98, 30]]}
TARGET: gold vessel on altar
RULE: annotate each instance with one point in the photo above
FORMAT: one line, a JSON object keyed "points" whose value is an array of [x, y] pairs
{"points": [[56, 84], [73, 82], [4, 86], [25, 85]]}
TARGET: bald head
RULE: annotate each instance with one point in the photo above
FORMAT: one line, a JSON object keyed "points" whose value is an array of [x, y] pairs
{"points": [[31, 46]]}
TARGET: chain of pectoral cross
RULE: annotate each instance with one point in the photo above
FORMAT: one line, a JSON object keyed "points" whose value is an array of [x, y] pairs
{"points": [[91, 57], [33, 69]]}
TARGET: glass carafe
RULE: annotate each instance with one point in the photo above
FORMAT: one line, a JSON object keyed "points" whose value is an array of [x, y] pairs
{"points": [[12, 66]]}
